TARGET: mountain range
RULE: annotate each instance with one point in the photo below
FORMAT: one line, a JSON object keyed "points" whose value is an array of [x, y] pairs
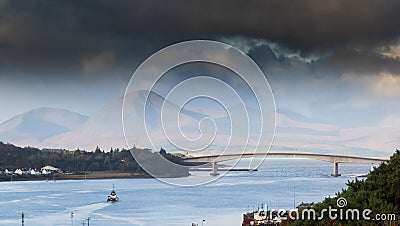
{"points": [[32, 128], [59, 128]]}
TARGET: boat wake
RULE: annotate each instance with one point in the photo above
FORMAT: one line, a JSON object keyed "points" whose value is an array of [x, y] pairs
{"points": [[79, 214], [129, 220]]}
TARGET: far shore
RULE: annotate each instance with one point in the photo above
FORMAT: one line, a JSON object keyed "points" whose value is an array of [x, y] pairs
{"points": [[81, 176]]}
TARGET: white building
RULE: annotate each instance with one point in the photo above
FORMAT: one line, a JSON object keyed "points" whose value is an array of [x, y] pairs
{"points": [[35, 172], [49, 169], [18, 171], [25, 171]]}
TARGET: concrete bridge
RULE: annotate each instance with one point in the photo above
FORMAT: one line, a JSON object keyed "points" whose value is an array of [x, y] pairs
{"points": [[335, 159]]}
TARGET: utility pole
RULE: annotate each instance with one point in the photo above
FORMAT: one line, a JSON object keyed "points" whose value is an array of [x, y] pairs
{"points": [[294, 197], [74, 162], [23, 216]]}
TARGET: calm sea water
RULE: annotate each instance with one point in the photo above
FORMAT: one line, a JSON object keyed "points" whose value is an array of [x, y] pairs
{"points": [[278, 183]]}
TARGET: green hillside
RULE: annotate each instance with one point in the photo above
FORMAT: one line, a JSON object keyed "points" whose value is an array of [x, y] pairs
{"points": [[379, 192]]}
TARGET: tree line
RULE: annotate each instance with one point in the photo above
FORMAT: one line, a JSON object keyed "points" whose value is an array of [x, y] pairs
{"points": [[13, 157]]}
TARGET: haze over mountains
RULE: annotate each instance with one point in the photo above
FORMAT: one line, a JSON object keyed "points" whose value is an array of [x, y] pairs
{"points": [[35, 126], [58, 128]]}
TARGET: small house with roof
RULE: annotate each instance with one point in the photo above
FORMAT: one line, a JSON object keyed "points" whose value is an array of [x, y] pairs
{"points": [[18, 171], [49, 170], [35, 172]]}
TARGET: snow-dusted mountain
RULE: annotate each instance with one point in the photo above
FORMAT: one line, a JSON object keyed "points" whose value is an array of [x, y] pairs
{"points": [[55, 128], [105, 129], [35, 126]]}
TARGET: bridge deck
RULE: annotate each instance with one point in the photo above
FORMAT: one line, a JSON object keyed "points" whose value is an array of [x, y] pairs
{"points": [[323, 157]]}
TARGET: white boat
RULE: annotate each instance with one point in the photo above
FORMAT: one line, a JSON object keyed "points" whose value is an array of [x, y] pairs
{"points": [[113, 196]]}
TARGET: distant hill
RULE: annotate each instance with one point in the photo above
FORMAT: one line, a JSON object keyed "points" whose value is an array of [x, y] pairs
{"points": [[104, 128], [33, 127], [63, 129], [57, 128]]}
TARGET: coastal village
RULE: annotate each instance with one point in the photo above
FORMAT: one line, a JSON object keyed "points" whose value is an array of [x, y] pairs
{"points": [[8, 174], [45, 170]]}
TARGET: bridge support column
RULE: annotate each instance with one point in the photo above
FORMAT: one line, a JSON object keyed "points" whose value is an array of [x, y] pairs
{"points": [[335, 170], [214, 171]]}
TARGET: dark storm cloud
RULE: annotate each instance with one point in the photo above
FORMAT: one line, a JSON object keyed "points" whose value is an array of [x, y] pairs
{"points": [[66, 34], [357, 63], [308, 26], [96, 45]]}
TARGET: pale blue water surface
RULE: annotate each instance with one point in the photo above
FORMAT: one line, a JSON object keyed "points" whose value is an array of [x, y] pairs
{"points": [[150, 202]]}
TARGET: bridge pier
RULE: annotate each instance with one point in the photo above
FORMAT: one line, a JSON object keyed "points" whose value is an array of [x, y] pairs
{"points": [[214, 171], [335, 170]]}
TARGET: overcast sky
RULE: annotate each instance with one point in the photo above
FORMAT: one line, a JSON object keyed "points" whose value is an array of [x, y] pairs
{"points": [[327, 61]]}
